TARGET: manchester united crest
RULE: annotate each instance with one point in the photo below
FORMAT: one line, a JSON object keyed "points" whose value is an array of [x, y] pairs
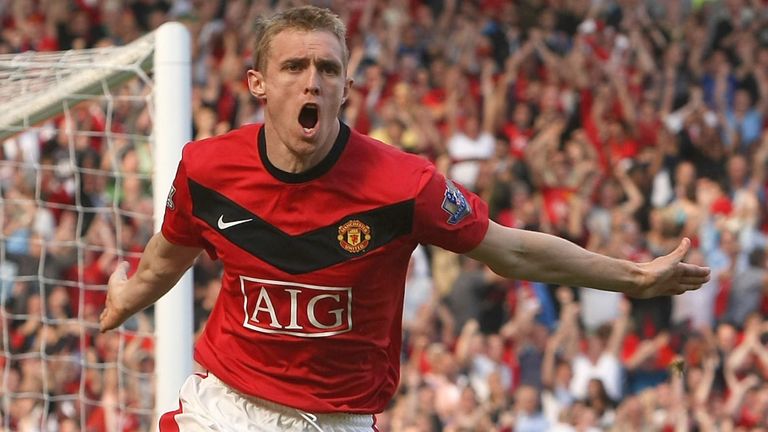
{"points": [[354, 236]]}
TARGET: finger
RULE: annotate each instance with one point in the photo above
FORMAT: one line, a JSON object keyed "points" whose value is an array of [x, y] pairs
{"points": [[693, 270], [105, 316], [106, 321], [121, 271], [681, 250], [681, 288], [693, 280], [123, 268], [694, 274], [103, 321]]}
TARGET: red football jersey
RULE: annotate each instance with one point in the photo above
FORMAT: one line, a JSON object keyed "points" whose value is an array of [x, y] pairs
{"points": [[309, 313]]}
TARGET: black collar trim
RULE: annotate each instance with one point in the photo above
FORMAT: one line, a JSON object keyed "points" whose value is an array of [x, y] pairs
{"points": [[316, 171]]}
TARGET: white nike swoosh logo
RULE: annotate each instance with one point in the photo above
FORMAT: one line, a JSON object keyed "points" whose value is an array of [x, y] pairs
{"points": [[224, 225]]}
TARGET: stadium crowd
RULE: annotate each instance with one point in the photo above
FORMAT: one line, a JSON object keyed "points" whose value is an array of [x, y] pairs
{"points": [[621, 125]]}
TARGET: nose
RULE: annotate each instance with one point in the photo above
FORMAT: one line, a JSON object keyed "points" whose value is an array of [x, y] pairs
{"points": [[313, 82]]}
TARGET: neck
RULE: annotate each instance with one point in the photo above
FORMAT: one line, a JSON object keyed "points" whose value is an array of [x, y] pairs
{"points": [[300, 156]]}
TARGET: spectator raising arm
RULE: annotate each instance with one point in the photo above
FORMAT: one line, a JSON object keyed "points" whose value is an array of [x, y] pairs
{"points": [[639, 43], [679, 413], [490, 106], [565, 341], [761, 79], [635, 198], [646, 350], [760, 163], [575, 62], [619, 329], [619, 84], [539, 149], [703, 390]]}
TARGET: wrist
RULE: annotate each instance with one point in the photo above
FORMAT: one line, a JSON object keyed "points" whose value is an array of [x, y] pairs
{"points": [[640, 279]]}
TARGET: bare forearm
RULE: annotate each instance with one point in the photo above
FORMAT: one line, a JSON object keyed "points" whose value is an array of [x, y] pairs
{"points": [[643, 353], [542, 257], [535, 256], [159, 270], [548, 366], [701, 394]]}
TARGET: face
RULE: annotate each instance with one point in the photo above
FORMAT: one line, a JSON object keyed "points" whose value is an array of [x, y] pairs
{"points": [[303, 86], [563, 373], [609, 194], [685, 173], [726, 336], [522, 115], [741, 101], [527, 399], [472, 126], [737, 169], [595, 388], [595, 346]]}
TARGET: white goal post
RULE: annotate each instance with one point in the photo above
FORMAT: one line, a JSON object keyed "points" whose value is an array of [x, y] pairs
{"points": [[173, 117], [39, 95]]}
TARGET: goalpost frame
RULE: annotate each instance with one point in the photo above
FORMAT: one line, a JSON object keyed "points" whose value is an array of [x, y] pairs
{"points": [[25, 104], [172, 129]]}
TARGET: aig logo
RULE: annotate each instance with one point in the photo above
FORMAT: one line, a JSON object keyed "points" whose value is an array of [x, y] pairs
{"points": [[295, 309]]}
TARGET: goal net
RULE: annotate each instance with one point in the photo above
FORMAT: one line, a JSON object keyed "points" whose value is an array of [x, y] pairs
{"points": [[78, 148]]}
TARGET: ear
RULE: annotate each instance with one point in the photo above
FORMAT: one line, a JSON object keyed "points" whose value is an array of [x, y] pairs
{"points": [[256, 84], [345, 92]]}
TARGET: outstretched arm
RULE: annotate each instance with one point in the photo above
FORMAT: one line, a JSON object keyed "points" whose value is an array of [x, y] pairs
{"points": [[529, 255], [162, 265]]}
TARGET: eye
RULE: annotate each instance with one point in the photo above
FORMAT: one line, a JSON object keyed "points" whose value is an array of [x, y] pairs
{"points": [[331, 70]]}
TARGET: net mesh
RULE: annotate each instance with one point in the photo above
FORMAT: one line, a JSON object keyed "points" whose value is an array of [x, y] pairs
{"points": [[75, 199]]}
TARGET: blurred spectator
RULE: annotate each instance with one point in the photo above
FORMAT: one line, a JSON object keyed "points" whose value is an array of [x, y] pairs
{"points": [[748, 289]]}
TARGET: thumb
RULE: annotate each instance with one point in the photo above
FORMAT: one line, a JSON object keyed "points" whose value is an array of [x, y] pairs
{"points": [[121, 271], [108, 320], [105, 320], [682, 249]]}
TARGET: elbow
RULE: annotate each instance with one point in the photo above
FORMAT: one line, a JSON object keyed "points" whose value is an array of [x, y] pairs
{"points": [[514, 266], [507, 265]]}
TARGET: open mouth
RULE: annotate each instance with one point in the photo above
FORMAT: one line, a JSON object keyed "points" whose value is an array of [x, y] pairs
{"points": [[308, 117]]}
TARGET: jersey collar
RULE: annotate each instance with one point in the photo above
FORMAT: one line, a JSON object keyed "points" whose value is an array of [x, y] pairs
{"points": [[316, 171]]}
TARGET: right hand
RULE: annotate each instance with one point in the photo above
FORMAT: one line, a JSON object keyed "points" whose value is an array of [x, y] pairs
{"points": [[115, 310]]}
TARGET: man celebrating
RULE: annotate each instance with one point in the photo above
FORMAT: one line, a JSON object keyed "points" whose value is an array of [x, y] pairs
{"points": [[315, 224]]}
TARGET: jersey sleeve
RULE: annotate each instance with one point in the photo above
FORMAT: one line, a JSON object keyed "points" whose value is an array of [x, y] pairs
{"points": [[179, 227], [448, 215]]}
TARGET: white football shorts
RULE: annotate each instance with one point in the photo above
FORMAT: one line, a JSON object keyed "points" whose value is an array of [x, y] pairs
{"points": [[206, 404]]}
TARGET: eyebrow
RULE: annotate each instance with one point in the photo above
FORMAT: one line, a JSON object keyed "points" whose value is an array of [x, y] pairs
{"points": [[304, 61], [326, 63]]}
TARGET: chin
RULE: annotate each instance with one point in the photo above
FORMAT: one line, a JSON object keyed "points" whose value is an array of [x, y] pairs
{"points": [[304, 146], [312, 137]]}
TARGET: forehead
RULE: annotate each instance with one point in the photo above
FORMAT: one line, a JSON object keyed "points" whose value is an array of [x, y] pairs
{"points": [[300, 44]]}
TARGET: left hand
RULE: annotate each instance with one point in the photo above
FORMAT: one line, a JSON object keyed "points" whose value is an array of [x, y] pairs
{"points": [[115, 308], [669, 275]]}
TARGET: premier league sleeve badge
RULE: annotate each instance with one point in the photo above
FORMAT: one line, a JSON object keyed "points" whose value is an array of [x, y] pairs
{"points": [[455, 204], [169, 201]]}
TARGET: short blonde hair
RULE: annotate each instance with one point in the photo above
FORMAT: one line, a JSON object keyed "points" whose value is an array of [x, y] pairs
{"points": [[303, 18]]}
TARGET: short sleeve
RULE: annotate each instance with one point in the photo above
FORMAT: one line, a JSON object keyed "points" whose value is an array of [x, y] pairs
{"points": [[448, 215], [178, 224]]}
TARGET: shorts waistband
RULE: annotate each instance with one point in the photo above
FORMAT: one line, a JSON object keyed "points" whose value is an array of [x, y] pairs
{"points": [[350, 419]]}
